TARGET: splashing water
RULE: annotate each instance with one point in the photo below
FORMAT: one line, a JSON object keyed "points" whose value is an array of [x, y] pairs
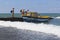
{"points": [[46, 28], [58, 17]]}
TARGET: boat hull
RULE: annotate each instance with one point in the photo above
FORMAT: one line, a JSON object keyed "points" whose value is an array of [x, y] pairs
{"points": [[27, 19]]}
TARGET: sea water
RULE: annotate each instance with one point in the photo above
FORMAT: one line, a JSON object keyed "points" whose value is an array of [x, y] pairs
{"points": [[53, 27]]}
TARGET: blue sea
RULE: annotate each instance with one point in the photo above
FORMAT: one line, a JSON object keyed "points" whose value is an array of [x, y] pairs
{"points": [[17, 30]]}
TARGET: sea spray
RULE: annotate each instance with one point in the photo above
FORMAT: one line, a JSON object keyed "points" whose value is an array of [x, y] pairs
{"points": [[58, 17], [46, 28]]}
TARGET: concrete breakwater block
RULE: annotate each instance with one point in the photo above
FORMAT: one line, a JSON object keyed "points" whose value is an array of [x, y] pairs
{"points": [[12, 19]]}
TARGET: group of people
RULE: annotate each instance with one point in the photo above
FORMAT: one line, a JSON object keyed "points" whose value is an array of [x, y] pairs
{"points": [[22, 11]]}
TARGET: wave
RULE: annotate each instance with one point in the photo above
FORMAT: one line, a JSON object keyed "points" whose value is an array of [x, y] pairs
{"points": [[46, 28], [58, 17]]}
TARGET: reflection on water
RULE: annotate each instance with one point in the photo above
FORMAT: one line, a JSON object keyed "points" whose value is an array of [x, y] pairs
{"points": [[10, 33]]}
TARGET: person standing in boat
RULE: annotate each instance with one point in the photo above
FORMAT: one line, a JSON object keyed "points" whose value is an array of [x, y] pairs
{"points": [[12, 11], [22, 11], [27, 12]]}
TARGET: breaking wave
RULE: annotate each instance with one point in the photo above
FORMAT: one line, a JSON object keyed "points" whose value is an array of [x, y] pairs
{"points": [[41, 27], [58, 17]]}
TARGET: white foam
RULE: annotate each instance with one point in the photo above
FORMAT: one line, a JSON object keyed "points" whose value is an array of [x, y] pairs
{"points": [[53, 29], [58, 17]]}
